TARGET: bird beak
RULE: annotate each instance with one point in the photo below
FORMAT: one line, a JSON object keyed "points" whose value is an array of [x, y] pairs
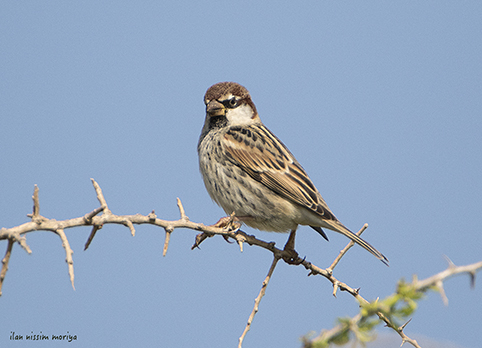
{"points": [[215, 108]]}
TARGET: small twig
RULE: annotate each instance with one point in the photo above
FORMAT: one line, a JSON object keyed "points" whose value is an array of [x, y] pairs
{"points": [[100, 197], [258, 300], [68, 254], [105, 211], [169, 229], [406, 339], [35, 216], [345, 249], [5, 261], [452, 270], [448, 273], [16, 237], [36, 204]]}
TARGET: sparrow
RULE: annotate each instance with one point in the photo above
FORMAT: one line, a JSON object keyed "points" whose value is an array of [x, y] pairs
{"points": [[247, 170]]}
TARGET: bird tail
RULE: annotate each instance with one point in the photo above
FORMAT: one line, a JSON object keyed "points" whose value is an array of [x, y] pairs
{"points": [[340, 228]]}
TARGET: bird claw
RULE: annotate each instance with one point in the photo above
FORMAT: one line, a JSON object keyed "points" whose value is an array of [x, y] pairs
{"points": [[291, 257], [227, 222], [226, 238], [199, 239]]}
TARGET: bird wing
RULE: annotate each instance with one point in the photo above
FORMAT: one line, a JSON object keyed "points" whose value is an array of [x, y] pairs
{"points": [[267, 160]]}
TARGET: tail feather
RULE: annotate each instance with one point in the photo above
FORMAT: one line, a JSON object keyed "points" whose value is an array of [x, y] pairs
{"points": [[340, 228], [320, 231]]}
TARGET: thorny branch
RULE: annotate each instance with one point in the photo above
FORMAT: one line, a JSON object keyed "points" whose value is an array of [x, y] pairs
{"points": [[412, 290], [258, 300], [228, 229]]}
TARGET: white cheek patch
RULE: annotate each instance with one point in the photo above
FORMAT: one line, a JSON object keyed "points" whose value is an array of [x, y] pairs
{"points": [[241, 115]]}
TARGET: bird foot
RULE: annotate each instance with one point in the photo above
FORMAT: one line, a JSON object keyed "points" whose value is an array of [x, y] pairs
{"points": [[290, 256], [227, 221]]}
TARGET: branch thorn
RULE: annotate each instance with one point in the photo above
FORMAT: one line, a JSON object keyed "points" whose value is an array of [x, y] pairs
{"points": [[472, 279], [168, 230], [95, 228], [451, 264], [181, 210], [440, 286], [335, 288], [152, 216], [403, 326]]}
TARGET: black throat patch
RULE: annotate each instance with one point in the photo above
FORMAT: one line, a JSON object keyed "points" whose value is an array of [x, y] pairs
{"points": [[217, 122]]}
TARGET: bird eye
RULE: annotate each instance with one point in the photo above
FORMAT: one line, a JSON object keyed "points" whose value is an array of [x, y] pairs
{"points": [[231, 103]]}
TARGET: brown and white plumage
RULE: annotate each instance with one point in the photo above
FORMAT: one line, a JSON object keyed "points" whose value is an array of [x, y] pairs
{"points": [[248, 170]]}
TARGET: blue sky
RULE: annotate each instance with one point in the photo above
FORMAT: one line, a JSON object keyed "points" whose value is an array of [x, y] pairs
{"points": [[381, 102]]}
